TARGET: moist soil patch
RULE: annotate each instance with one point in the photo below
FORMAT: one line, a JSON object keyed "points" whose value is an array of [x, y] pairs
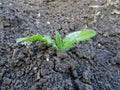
{"points": [[89, 65]]}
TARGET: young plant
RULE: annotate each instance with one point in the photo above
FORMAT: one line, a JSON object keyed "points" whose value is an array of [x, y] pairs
{"points": [[59, 43]]}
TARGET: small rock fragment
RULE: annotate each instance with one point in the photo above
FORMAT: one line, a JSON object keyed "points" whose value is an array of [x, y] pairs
{"points": [[38, 75], [1, 75], [71, 26], [18, 84], [2, 62], [86, 77], [115, 12], [15, 53], [33, 87], [74, 73], [79, 84], [38, 15], [36, 86], [61, 54], [7, 80], [48, 22], [117, 58], [1, 26], [88, 87]]}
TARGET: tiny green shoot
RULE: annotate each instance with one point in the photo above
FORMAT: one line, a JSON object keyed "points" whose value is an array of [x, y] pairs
{"points": [[59, 43]]}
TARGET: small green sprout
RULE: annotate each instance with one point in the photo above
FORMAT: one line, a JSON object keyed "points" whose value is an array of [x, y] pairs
{"points": [[59, 43]]}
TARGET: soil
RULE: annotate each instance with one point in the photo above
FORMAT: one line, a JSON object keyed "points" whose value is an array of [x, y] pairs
{"points": [[89, 65]]}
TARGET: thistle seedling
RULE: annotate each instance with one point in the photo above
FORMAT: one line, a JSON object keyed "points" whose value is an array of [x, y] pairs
{"points": [[59, 43]]}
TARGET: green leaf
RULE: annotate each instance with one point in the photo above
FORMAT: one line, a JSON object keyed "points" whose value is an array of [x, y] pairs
{"points": [[50, 41], [77, 36], [19, 40], [37, 37], [30, 38], [58, 40], [47, 39], [85, 35], [71, 36], [68, 44], [80, 35]]}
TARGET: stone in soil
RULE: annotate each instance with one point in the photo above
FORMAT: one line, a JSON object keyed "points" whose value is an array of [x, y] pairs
{"points": [[79, 85], [7, 80], [88, 87], [62, 54], [1, 75], [117, 58]]}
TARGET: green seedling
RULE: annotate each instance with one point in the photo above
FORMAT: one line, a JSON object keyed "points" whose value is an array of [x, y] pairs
{"points": [[59, 43]]}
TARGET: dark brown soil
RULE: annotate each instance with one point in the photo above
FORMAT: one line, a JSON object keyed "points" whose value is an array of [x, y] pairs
{"points": [[89, 65]]}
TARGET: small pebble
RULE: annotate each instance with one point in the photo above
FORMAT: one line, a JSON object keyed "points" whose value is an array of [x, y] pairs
{"points": [[15, 53], [33, 87], [62, 54], [38, 75], [1, 75], [36, 86], [10, 4], [39, 15], [86, 77], [37, 22], [79, 84], [74, 73], [105, 34], [48, 22], [35, 68], [7, 80], [99, 45], [88, 87], [117, 58], [47, 59]]}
